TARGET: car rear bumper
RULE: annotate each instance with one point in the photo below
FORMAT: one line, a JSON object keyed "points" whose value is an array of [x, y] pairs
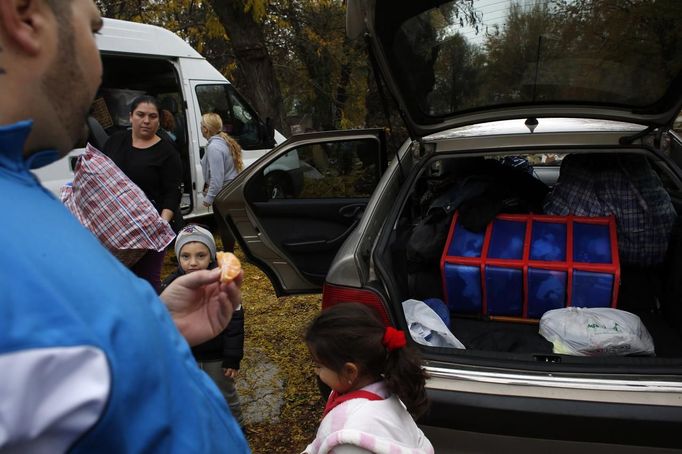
{"points": [[552, 418]]}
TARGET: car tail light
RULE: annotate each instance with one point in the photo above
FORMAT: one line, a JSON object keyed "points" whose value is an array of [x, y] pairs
{"points": [[333, 294]]}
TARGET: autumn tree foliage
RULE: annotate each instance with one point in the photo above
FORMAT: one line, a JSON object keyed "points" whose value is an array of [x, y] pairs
{"points": [[242, 22], [289, 58]]}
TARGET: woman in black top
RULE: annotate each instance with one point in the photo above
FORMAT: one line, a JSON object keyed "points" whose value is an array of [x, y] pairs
{"points": [[153, 164]]}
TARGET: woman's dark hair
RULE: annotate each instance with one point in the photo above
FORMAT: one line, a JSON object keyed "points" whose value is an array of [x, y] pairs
{"points": [[147, 99], [167, 120], [353, 332]]}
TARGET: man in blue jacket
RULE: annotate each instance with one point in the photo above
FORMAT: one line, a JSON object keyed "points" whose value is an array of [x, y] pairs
{"points": [[91, 359]]}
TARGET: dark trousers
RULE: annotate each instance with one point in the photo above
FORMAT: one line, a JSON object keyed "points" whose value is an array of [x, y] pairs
{"points": [[226, 386], [149, 268]]}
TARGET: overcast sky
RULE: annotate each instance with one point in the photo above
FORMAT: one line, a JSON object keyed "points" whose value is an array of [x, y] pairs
{"points": [[494, 12]]}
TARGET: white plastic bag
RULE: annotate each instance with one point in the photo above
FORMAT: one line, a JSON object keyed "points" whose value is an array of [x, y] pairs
{"points": [[599, 331], [426, 327]]}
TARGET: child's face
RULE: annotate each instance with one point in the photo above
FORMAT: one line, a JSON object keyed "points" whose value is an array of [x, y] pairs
{"points": [[194, 256], [332, 379]]}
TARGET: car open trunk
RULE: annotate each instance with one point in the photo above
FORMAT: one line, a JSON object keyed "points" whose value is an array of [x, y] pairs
{"points": [[410, 258]]}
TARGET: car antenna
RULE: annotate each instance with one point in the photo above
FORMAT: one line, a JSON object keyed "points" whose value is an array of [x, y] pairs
{"points": [[537, 64], [384, 104], [532, 122]]}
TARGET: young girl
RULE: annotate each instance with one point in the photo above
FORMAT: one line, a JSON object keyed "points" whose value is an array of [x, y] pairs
{"points": [[219, 357], [223, 158], [377, 384]]}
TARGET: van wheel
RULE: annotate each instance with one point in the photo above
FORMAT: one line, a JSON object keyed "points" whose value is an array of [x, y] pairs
{"points": [[278, 185]]}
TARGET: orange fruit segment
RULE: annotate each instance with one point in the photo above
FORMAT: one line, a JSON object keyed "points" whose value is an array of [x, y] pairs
{"points": [[230, 267]]}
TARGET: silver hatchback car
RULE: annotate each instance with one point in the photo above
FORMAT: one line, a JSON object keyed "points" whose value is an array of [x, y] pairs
{"points": [[522, 119]]}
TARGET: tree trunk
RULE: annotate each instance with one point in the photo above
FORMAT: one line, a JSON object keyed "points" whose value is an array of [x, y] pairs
{"points": [[342, 94], [257, 80]]}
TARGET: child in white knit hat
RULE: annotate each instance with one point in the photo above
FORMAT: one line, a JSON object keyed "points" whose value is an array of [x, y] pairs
{"points": [[195, 249], [219, 357]]}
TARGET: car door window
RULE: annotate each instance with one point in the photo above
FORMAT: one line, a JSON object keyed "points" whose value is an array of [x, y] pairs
{"points": [[337, 169]]}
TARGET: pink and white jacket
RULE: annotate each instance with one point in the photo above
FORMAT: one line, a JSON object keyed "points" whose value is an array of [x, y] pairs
{"points": [[361, 425]]}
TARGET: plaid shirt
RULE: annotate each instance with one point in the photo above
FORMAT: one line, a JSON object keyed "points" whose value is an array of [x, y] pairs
{"points": [[112, 207], [625, 186]]}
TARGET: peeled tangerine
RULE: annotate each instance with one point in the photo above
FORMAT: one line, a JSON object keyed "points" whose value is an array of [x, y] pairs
{"points": [[230, 267]]}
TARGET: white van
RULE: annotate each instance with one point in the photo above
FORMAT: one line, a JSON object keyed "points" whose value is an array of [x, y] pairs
{"points": [[145, 59]]}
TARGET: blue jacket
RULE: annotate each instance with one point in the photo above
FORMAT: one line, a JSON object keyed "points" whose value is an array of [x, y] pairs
{"points": [[90, 338]]}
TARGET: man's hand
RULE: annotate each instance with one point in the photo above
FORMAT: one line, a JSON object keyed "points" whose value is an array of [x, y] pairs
{"points": [[200, 305]]}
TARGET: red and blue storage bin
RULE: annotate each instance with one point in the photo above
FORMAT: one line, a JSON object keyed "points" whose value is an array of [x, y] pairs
{"points": [[524, 265]]}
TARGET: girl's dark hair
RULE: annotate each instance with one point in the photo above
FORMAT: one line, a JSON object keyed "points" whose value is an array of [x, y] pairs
{"points": [[147, 99], [353, 332]]}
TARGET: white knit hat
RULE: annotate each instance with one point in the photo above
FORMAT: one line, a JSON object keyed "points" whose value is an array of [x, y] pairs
{"points": [[191, 233]]}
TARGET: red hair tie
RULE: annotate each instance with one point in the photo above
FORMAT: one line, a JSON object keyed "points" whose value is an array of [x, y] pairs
{"points": [[394, 339]]}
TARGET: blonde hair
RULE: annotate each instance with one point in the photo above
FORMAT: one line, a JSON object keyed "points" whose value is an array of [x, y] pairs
{"points": [[214, 125]]}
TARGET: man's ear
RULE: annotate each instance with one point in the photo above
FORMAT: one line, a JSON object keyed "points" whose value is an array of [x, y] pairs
{"points": [[23, 24]]}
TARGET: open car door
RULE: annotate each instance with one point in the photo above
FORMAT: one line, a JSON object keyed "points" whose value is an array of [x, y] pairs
{"points": [[292, 210]]}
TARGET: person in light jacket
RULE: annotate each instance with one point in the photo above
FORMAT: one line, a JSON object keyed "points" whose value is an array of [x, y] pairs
{"points": [[223, 158]]}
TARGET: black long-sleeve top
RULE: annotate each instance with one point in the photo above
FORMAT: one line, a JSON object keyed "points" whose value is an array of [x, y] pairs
{"points": [[227, 346], [157, 170]]}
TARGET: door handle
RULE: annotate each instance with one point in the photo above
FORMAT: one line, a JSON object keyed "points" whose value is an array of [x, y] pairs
{"points": [[352, 211]]}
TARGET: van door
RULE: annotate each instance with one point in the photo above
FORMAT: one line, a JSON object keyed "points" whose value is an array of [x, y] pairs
{"points": [[239, 120], [292, 210]]}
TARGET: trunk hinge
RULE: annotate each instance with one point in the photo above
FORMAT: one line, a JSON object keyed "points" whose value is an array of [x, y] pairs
{"points": [[629, 140]]}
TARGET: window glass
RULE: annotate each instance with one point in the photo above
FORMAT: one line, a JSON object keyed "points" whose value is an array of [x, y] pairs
{"points": [[239, 119], [339, 169], [468, 55]]}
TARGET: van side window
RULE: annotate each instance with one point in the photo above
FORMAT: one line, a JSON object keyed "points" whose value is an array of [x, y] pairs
{"points": [[239, 119]]}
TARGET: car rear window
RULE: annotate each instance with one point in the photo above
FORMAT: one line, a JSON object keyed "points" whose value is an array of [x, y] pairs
{"points": [[462, 56]]}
